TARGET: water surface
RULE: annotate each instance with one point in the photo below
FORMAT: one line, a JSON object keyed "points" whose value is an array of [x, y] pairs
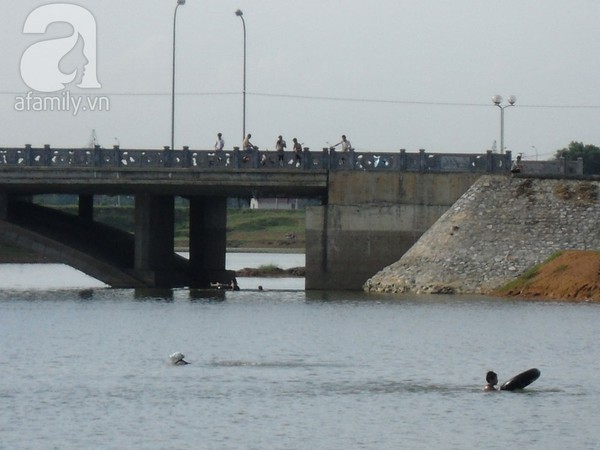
{"points": [[282, 369]]}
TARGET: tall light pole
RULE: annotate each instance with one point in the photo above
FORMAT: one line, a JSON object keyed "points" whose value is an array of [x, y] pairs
{"points": [[179, 2], [497, 99], [240, 14]]}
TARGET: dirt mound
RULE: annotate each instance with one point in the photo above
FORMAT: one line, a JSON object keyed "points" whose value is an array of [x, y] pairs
{"points": [[572, 275]]}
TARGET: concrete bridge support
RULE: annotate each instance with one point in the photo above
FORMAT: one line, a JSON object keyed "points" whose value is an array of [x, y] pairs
{"points": [[155, 256], [371, 220], [3, 206], [154, 238], [208, 239], [86, 206]]}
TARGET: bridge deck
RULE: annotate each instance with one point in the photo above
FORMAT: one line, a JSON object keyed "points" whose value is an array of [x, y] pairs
{"points": [[167, 181]]}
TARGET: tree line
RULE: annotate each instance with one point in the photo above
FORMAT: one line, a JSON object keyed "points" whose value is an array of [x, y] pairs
{"points": [[589, 153]]}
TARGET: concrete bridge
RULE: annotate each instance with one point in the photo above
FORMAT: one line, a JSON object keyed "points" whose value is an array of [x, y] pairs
{"points": [[374, 206]]}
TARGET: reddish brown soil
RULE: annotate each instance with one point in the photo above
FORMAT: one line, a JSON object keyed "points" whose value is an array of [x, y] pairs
{"points": [[572, 276]]}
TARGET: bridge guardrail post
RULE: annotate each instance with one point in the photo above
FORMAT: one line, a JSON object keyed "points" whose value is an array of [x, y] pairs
{"points": [[187, 159], [402, 160], [117, 155], [96, 156], [325, 158], [28, 155], [506, 163], [422, 162], [47, 155], [579, 166], [236, 158], [306, 159], [333, 159], [167, 153], [489, 161], [255, 158]]}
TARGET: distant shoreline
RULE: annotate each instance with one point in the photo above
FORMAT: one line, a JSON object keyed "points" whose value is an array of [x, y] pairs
{"points": [[12, 254]]}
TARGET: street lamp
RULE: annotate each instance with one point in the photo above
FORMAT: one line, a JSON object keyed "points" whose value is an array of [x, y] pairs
{"points": [[497, 99], [179, 2], [240, 14]]}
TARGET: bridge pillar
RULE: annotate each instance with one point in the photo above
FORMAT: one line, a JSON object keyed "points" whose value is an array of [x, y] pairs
{"points": [[3, 206], [208, 239], [154, 237], [86, 207]]}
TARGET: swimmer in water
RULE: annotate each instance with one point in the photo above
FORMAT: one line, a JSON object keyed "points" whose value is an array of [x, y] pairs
{"points": [[177, 359], [492, 381]]}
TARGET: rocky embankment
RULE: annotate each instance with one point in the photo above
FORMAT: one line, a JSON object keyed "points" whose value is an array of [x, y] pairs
{"points": [[498, 229]]}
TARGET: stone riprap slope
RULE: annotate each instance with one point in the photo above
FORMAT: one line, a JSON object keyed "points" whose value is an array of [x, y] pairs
{"points": [[499, 228]]}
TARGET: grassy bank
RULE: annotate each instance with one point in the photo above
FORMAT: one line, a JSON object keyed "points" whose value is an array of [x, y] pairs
{"points": [[268, 229]]}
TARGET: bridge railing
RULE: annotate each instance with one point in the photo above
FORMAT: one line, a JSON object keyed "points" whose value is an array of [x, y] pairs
{"points": [[236, 159]]}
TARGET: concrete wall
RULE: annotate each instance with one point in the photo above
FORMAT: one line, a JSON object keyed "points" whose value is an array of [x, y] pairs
{"points": [[371, 220]]}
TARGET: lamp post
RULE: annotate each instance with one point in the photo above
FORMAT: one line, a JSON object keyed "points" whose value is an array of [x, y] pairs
{"points": [[536, 151], [179, 2], [497, 99], [240, 14]]}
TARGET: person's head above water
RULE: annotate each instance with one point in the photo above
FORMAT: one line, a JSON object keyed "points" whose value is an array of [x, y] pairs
{"points": [[491, 378], [492, 381], [177, 359]]}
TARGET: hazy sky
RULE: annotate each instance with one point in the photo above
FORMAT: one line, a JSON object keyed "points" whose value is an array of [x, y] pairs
{"points": [[389, 74]]}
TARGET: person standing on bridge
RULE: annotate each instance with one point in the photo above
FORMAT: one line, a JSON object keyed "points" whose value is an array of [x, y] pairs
{"points": [[345, 143], [247, 145], [280, 145], [220, 142], [297, 151]]}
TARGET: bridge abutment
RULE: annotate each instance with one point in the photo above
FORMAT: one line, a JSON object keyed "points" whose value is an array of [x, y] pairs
{"points": [[371, 220]]}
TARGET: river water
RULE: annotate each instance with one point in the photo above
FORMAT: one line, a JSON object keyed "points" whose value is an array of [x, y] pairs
{"points": [[84, 366]]}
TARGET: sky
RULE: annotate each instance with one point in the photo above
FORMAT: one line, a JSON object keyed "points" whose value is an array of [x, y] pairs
{"points": [[389, 74]]}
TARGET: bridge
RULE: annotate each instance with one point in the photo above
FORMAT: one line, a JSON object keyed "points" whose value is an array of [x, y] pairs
{"points": [[374, 206]]}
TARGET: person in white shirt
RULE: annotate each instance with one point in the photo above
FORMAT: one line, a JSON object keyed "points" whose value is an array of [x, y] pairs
{"points": [[345, 143], [219, 143]]}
